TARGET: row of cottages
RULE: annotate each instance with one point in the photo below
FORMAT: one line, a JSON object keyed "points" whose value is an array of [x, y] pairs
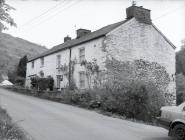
{"points": [[135, 38]]}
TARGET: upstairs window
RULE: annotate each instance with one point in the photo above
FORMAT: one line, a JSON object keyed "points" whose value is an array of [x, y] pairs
{"points": [[82, 54], [58, 61], [42, 62], [32, 64]]}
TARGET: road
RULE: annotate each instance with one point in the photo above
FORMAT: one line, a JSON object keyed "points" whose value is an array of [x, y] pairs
{"points": [[47, 120]]}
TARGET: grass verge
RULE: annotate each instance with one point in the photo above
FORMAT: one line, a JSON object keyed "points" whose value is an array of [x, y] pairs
{"points": [[10, 130]]}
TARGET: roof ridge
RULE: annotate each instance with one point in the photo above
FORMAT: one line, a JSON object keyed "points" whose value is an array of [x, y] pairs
{"points": [[93, 35]]}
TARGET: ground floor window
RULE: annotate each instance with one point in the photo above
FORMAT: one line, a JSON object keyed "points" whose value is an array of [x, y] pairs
{"points": [[59, 78], [82, 79]]}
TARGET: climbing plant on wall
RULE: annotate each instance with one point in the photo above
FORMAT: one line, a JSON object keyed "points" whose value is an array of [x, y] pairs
{"points": [[92, 72], [68, 71], [122, 73]]}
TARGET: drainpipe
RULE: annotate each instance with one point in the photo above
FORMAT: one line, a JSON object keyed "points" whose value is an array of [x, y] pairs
{"points": [[69, 68]]}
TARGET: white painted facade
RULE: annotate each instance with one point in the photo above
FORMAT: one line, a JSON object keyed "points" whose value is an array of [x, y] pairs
{"points": [[130, 41], [50, 68]]}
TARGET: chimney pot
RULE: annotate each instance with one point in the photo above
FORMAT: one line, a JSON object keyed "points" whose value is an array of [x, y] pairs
{"points": [[82, 32], [67, 38]]}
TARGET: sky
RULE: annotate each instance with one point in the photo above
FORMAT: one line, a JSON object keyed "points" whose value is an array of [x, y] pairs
{"points": [[47, 22]]}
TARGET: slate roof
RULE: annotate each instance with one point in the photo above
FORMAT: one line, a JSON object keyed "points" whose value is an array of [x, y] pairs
{"points": [[90, 36], [93, 35]]}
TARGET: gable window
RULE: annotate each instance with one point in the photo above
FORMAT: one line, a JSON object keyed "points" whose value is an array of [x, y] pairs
{"points": [[42, 62], [58, 61], [82, 79], [82, 54], [32, 64]]}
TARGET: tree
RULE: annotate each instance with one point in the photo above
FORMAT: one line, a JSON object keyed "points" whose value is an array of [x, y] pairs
{"points": [[21, 69], [12, 76], [5, 17], [180, 59], [183, 44], [180, 86]]}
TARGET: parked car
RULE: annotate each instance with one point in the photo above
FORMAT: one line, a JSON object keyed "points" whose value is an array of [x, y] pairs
{"points": [[173, 119]]}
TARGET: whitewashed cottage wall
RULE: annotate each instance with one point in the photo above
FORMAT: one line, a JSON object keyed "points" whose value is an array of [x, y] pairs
{"points": [[93, 50]]}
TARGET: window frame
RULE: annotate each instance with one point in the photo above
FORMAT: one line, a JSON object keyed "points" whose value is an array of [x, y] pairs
{"points": [[59, 79], [82, 54], [58, 63], [42, 62], [82, 80], [32, 64]]}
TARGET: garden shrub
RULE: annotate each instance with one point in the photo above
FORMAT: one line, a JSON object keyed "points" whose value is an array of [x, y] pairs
{"points": [[180, 87], [136, 100], [130, 102], [50, 83], [42, 83], [20, 81], [66, 96], [135, 89]]}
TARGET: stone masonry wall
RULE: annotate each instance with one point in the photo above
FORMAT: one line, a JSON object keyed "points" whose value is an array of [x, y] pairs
{"points": [[138, 41]]}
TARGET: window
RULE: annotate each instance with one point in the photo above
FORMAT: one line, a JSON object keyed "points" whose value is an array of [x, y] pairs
{"points": [[42, 62], [59, 77], [82, 54], [58, 60], [82, 79], [32, 64]]}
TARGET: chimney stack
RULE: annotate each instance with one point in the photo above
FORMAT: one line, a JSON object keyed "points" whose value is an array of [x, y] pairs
{"points": [[141, 14], [82, 32], [67, 38]]}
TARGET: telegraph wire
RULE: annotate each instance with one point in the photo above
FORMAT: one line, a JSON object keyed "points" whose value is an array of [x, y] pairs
{"points": [[169, 12], [69, 6], [52, 16], [44, 13]]}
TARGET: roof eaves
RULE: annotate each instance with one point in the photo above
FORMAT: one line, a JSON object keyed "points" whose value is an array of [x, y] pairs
{"points": [[115, 25], [43, 55], [173, 46]]}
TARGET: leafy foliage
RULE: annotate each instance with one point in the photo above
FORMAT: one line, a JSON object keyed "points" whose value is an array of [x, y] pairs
{"points": [[5, 17], [19, 81], [42, 83], [180, 59], [21, 68], [12, 76], [134, 102], [122, 73], [180, 87], [92, 72], [180, 62]]}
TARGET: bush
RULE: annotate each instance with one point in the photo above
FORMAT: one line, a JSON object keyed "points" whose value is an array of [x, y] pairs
{"points": [[50, 82], [20, 81], [180, 87], [42, 83], [136, 101]]}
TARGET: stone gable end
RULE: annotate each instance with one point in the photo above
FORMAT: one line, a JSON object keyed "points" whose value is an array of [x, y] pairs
{"points": [[135, 41]]}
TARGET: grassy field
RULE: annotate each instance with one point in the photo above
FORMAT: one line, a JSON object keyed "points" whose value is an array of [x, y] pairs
{"points": [[8, 129]]}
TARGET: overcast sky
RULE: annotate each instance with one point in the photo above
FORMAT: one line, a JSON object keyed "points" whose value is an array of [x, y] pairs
{"points": [[47, 22]]}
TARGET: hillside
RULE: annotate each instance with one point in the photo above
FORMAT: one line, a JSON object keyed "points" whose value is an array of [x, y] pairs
{"points": [[13, 48]]}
